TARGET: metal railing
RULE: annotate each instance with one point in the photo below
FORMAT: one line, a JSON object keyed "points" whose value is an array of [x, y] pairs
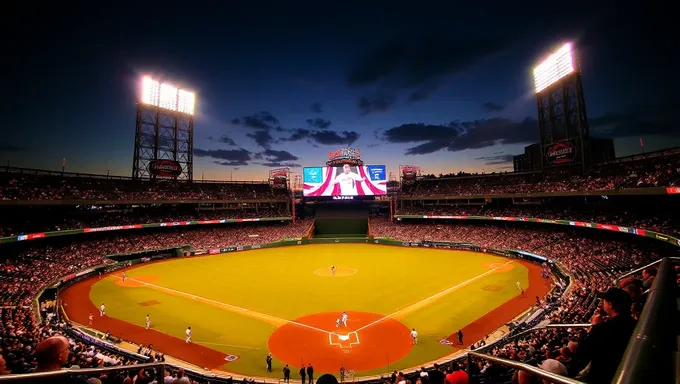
{"points": [[45, 376], [543, 374], [652, 349]]}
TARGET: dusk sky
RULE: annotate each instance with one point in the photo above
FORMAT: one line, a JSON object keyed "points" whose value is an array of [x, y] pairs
{"points": [[282, 83]]}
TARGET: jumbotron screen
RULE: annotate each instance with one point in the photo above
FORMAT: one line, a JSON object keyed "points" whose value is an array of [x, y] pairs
{"points": [[346, 180]]}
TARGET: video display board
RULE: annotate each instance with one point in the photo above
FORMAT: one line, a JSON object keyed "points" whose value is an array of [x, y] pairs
{"points": [[346, 180]]}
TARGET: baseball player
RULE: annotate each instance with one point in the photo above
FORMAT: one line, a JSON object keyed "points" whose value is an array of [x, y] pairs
{"points": [[333, 270], [102, 311], [414, 337], [188, 333], [344, 319], [124, 276], [147, 322]]}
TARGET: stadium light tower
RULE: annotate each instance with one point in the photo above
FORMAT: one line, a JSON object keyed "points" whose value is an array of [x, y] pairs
{"points": [[562, 119], [164, 132]]}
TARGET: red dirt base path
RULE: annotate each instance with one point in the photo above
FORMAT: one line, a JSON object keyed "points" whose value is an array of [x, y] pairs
{"points": [[505, 312], [364, 344], [78, 307]]}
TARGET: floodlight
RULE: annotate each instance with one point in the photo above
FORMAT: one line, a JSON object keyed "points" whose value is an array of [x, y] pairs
{"points": [[186, 102], [554, 68], [150, 91], [167, 96], [168, 99]]}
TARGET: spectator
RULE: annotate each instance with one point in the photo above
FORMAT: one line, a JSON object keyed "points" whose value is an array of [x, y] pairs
{"points": [[52, 354], [607, 340]]}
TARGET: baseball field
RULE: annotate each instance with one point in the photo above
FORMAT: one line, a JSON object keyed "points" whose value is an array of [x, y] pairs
{"points": [[243, 305]]}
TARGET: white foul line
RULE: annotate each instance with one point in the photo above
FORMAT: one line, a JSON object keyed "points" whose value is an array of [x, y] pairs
{"points": [[447, 290], [225, 345], [233, 307]]}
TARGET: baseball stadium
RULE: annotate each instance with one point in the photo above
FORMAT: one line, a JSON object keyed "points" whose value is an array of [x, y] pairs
{"points": [[352, 269]]}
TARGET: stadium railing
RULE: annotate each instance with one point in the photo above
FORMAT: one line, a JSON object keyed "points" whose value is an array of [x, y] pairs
{"points": [[46, 376], [543, 374], [652, 352]]}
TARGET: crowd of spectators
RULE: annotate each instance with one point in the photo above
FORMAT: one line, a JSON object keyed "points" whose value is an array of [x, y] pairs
{"points": [[651, 171], [594, 264], [592, 261], [34, 186], [663, 221], [45, 220], [26, 272]]}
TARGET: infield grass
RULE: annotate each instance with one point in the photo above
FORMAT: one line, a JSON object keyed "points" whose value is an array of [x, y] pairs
{"points": [[279, 284]]}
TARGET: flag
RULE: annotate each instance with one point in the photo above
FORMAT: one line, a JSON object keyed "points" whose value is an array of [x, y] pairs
{"points": [[642, 143], [63, 162]]}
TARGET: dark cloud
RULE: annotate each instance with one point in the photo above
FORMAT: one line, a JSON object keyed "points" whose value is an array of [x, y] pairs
{"points": [[316, 107], [262, 120], [274, 155], [492, 107], [6, 147], [276, 158], [496, 159], [424, 92], [458, 136], [318, 123], [324, 137], [226, 157], [235, 121], [263, 123], [637, 121], [410, 62], [372, 145], [381, 102], [224, 139], [275, 164], [261, 137]]}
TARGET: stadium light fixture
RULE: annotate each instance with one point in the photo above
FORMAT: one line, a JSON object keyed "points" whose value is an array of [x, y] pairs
{"points": [[167, 96], [554, 68]]}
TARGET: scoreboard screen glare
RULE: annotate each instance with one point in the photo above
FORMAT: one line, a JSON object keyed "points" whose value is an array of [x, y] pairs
{"points": [[346, 180]]}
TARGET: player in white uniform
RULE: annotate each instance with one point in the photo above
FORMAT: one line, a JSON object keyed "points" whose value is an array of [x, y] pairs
{"points": [[348, 181], [521, 290], [102, 309], [414, 336], [333, 270], [188, 333], [147, 322], [124, 276], [344, 319], [337, 323]]}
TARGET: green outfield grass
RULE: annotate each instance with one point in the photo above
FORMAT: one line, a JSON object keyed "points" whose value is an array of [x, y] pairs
{"points": [[281, 283]]}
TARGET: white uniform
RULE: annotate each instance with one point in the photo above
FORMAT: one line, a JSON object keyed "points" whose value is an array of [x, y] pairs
{"points": [[148, 322], [348, 183], [414, 337], [519, 286], [333, 270], [188, 333], [101, 310], [337, 323], [344, 319], [124, 276]]}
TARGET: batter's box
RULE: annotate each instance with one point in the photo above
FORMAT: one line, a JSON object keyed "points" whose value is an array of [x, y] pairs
{"points": [[343, 341]]}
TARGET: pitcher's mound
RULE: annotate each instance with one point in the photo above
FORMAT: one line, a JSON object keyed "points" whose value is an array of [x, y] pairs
{"points": [[339, 272]]}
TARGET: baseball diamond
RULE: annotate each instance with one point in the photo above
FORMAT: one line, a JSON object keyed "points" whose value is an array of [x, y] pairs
{"points": [[241, 306]]}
